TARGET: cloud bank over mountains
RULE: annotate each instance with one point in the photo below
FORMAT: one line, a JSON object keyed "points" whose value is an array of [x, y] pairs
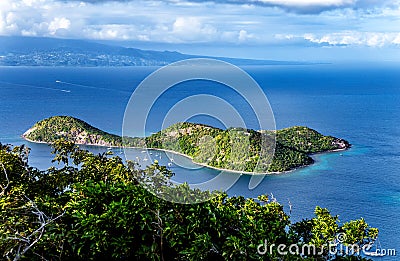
{"points": [[301, 6], [369, 23]]}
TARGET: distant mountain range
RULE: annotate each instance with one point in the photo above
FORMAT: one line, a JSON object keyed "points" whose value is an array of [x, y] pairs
{"points": [[36, 51]]}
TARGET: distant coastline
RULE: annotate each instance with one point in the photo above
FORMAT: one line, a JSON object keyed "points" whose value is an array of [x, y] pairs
{"points": [[51, 52]]}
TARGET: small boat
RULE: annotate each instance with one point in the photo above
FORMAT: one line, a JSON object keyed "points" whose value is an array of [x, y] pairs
{"points": [[169, 164], [143, 151], [145, 159]]}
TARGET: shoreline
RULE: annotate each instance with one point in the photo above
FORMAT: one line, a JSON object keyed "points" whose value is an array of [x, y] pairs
{"points": [[201, 164]]}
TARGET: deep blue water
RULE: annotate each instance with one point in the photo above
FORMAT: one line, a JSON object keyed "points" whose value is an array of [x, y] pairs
{"points": [[360, 103]]}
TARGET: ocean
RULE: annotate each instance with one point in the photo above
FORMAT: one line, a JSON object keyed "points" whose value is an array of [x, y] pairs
{"points": [[357, 102]]}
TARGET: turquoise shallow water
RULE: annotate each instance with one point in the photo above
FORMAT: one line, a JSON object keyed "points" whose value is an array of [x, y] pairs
{"points": [[358, 103]]}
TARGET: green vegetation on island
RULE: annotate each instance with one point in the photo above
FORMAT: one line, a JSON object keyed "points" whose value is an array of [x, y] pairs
{"points": [[75, 130], [93, 207], [234, 149]]}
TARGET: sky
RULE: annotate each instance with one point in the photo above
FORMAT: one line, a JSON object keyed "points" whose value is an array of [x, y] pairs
{"points": [[315, 30]]}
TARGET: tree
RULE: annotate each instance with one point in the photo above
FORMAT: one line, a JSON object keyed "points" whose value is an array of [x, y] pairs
{"points": [[95, 206]]}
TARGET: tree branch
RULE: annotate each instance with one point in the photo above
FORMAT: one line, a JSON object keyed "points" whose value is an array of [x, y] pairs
{"points": [[29, 241], [159, 225], [3, 189]]}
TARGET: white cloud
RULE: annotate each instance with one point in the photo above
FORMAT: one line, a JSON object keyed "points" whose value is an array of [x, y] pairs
{"points": [[371, 39], [34, 17], [303, 3], [296, 6], [59, 23], [32, 2], [284, 36], [212, 22], [397, 39], [244, 36], [192, 29], [112, 32]]}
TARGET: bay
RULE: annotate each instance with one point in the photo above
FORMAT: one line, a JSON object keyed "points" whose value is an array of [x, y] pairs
{"points": [[357, 102]]}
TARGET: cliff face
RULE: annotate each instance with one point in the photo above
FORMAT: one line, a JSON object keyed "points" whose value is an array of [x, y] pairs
{"points": [[233, 149], [71, 129], [341, 144], [83, 137]]}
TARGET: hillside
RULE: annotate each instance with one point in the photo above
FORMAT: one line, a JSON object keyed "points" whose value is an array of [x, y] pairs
{"points": [[39, 51], [75, 130], [233, 149]]}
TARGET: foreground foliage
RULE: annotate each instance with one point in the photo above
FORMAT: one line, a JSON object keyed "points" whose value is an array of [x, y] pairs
{"points": [[99, 211]]}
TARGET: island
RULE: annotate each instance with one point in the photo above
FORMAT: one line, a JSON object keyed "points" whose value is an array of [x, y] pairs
{"points": [[234, 149]]}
